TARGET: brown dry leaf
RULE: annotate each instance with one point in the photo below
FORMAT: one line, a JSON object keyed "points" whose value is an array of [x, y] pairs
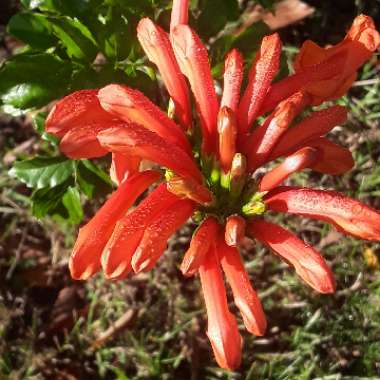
{"points": [[285, 13], [62, 315]]}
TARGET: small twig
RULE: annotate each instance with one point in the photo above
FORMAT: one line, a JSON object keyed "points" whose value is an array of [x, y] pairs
{"points": [[354, 287], [17, 256], [295, 305], [9, 210], [115, 328], [366, 82], [12, 154], [263, 342]]}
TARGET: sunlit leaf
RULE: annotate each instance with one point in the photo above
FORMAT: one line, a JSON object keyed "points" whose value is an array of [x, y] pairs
{"points": [[75, 37], [40, 172], [71, 200], [49, 200], [28, 81]]}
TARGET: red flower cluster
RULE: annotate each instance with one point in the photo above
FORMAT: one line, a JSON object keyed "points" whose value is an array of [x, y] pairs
{"points": [[214, 177]]}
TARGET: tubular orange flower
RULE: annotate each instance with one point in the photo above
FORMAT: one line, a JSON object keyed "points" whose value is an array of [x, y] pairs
{"points": [[302, 159], [222, 328], [192, 58], [232, 79], [235, 230], [262, 72], [264, 138], [332, 158], [157, 47], [199, 246], [319, 123], [360, 43], [129, 230], [153, 242], [92, 238], [348, 215], [82, 142], [132, 106], [245, 296], [123, 166], [76, 110], [307, 262], [188, 188], [77, 118], [227, 130], [137, 141], [213, 177], [314, 73], [180, 13]]}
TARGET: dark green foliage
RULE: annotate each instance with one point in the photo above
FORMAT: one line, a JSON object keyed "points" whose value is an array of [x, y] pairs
{"points": [[215, 14], [33, 80]]}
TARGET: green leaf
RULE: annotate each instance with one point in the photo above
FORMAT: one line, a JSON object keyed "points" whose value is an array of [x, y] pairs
{"points": [[91, 179], [135, 6], [87, 77], [114, 32], [33, 80], [40, 172], [215, 15], [75, 37], [66, 7], [49, 200], [71, 200], [33, 29]]}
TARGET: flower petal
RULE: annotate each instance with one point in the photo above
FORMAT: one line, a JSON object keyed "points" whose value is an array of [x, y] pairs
{"points": [[235, 230], [81, 142], [199, 246], [265, 137], [227, 129], [232, 78], [138, 141], [245, 296], [154, 241], [308, 263], [222, 328], [286, 87], [347, 215], [76, 110], [319, 123], [193, 61], [158, 48], [188, 188], [332, 158], [302, 159], [92, 238], [360, 43], [180, 13], [263, 70], [123, 166], [132, 106], [128, 232]]}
